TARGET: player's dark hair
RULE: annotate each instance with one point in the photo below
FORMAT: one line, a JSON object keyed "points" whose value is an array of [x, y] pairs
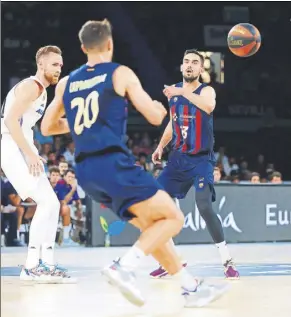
{"points": [[54, 169], [94, 33], [194, 51], [70, 170]]}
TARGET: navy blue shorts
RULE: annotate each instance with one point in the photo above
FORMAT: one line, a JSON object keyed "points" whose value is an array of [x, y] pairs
{"points": [[183, 171], [114, 180]]}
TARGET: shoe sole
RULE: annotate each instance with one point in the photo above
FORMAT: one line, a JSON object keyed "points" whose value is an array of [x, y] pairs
{"points": [[35, 281], [205, 300], [124, 291], [161, 276], [232, 278], [68, 280], [54, 281]]}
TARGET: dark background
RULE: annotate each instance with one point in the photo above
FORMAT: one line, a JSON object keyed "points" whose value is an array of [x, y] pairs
{"points": [[150, 37]]}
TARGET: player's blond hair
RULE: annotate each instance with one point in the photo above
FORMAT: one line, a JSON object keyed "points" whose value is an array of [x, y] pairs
{"points": [[46, 50]]}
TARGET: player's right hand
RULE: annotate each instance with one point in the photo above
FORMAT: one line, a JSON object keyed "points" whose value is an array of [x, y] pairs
{"points": [[35, 164], [157, 155]]}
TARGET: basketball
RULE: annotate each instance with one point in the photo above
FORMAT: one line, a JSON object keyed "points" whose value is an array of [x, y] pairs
{"points": [[244, 40]]}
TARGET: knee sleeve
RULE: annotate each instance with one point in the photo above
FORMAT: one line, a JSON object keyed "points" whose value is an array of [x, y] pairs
{"points": [[204, 204], [203, 201]]}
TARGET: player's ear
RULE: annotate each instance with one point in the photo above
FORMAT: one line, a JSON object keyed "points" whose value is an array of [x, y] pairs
{"points": [[40, 63], [83, 48], [181, 68]]}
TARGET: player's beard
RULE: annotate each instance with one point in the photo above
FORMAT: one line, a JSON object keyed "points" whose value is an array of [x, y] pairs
{"points": [[53, 79], [188, 79]]}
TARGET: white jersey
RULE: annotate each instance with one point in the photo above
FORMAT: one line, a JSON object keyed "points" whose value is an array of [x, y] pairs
{"points": [[32, 114], [13, 161]]}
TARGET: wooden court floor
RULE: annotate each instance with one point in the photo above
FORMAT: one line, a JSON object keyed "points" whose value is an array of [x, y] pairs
{"points": [[264, 289]]}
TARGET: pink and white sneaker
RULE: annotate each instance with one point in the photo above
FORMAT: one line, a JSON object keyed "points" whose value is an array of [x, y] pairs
{"points": [[230, 271], [160, 272]]}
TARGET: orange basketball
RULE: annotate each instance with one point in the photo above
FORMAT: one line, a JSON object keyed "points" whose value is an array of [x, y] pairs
{"points": [[244, 40]]}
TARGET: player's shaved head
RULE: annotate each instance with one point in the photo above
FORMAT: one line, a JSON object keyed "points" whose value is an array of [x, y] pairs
{"points": [[94, 34]]}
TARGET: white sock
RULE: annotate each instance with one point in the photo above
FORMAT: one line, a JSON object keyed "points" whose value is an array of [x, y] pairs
{"points": [[67, 232], [188, 281], [47, 254], [132, 258], [18, 235], [223, 251], [33, 256]]}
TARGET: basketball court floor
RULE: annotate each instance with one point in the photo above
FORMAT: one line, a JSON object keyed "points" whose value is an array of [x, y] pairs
{"points": [[263, 290]]}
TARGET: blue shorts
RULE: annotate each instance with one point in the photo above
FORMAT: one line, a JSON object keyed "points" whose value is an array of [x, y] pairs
{"points": [[183, 171], [114, 180]]}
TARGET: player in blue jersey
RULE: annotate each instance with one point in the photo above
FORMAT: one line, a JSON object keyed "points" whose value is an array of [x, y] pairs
{"points": [[94, 99], [191, 161]]}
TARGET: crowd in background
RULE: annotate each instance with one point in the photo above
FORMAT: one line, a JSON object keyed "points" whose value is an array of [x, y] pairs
{"points": [[142, 144], [59, 153]]}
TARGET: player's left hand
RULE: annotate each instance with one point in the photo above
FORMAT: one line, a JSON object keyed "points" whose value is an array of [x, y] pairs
{"points": [[171, 91]]}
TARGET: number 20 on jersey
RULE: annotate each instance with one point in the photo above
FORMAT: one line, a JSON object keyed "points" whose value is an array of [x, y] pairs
{"points": [[85, 106]]}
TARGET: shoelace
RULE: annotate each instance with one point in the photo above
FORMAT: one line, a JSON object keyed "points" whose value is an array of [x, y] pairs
{"points": [[229, 263]]}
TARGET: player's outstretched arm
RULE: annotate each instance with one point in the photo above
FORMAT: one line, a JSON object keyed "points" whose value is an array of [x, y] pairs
{"points": [[52, 122], [126, 83], [205, 101], [166, 138], [25, 94]]}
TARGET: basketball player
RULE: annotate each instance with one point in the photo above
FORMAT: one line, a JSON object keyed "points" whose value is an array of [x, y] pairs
{"points": [[191, 161], [20, 161], [93, 97]]}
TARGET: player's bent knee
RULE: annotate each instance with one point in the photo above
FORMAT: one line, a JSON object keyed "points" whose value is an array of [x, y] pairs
{"points": [[136, 223], [164, 207], [158, 207], [179, 222], [171, 211]]}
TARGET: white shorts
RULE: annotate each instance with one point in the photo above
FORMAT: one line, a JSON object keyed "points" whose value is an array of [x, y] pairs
{"points": [[16, 170]]}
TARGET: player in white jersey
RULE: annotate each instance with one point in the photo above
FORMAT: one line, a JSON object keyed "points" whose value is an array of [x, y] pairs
{"points": [[22, 165]]}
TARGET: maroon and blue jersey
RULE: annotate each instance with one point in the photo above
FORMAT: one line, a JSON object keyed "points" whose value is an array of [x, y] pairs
{"points": [[192, 127]]}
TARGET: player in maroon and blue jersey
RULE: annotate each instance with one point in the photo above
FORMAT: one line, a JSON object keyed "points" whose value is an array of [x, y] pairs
{"points": [[191, 161]]}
